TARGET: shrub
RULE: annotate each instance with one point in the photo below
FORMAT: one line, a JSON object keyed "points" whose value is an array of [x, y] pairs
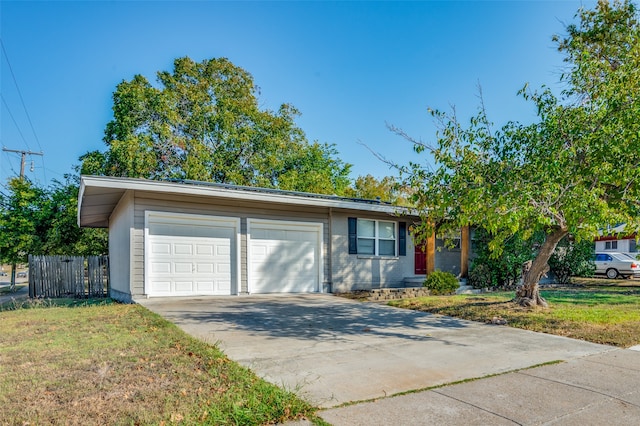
{"points": [[572, 259], [481, 276], [503, 270], [439, 282]]}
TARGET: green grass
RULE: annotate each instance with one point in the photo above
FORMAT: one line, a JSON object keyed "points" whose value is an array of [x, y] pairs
{"points": [[607, 315], [97, 362]]}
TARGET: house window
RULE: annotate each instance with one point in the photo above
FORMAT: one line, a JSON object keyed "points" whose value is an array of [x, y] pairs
{"points": [[633, 246], [611, 245], [373, 237], [376, 237]]}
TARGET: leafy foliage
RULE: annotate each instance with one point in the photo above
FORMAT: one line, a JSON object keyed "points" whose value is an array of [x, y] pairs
{"points": [[36, 220], [203, 122], [387, 189], [440, 282], [572, 259], [23, 214], [63, 235], [481, 276], [574, 171], [505, 269], [569, 259]]}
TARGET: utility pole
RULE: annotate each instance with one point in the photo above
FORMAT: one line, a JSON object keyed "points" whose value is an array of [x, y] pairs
{"points": [[24, 157], [23, 154]]}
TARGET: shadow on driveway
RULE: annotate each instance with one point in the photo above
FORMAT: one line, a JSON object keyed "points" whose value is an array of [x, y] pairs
{"points": [[315, 318], [333, 350]]}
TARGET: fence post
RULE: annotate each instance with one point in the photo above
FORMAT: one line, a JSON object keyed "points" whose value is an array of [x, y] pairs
{"points": [[31, 281]]}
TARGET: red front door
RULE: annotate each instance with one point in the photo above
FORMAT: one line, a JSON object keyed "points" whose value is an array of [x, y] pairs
{"points": [[420, 260]]}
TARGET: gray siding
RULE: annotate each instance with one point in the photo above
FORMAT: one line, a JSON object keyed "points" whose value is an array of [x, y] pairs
{"points": [[447, 259], [207, 206], [360, 272], [120, 244]]}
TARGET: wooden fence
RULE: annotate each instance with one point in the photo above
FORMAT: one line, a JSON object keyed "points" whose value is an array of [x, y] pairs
{"points": [[68, 276]]}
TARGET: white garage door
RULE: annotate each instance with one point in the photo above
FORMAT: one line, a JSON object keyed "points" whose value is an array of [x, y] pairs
{"points": [[190, 255], [284, 257]]}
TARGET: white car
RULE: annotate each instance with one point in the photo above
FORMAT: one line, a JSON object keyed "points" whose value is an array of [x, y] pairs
{"points": [[613, 265]]}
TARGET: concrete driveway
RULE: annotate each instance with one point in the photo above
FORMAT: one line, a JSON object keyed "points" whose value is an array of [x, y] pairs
{"points": [[331, 350]]}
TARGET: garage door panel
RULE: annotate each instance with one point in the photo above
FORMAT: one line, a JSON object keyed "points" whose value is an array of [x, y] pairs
{"points": [[184, 286], [284, 260], [224, 285], [295, 286], [184, 249], [205, 286], [205, 268], [191, 258], [301, 236], [161, 267], [258, 250], [259, 234], [160, 248], [182, 267], [205, 249], [162, 286]]}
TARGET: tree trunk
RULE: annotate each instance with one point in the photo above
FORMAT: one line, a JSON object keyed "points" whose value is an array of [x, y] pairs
{"points": [[528, 292], [12, 286]]}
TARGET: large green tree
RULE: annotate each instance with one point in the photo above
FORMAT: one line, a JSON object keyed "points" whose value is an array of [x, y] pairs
{"points": [[21, 222], [202, 121], [36, 220], [61, 233], [574, 171], [388, 189]]}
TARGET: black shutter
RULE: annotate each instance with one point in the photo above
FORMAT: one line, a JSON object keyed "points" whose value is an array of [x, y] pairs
{"points": [[353, 235], [402, 238]]}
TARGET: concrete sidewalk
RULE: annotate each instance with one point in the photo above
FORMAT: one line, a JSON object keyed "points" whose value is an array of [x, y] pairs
{"points": [[601, 389], [333, 351], [19, 295]]}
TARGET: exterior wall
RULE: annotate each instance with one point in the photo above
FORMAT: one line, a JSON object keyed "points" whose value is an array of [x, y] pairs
{"points": [[207, 206], [120, 229], [624, 246], [447, 259], [450, 259], [363, 272]]}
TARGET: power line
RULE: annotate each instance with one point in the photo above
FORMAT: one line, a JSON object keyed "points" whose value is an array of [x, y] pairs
{"points": [[24, 157], [4, 102], [20, 94], [6, 166]]}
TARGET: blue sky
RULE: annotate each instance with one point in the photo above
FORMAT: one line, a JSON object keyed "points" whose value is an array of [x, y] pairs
{"points": [[349, 67]]}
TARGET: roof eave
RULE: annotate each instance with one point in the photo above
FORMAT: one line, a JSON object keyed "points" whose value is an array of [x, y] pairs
{"points": [[124, 184]]}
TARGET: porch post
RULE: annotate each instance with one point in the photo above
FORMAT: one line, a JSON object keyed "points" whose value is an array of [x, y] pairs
{"points": [[464, 251], [430, 253]]}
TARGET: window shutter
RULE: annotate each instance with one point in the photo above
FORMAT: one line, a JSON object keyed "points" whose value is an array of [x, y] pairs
{"points": [[353, 235], [402, 238]]}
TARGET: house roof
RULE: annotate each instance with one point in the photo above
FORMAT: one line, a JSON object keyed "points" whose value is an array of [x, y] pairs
{"points": [[99, 196], [616, 233]]}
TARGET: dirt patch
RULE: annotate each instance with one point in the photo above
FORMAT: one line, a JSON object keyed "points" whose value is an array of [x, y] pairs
{"points": [[606, 282]]}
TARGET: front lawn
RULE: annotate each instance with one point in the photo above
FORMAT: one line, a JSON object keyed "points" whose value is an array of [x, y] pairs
{"points": [[108, 363], [608, 315]]}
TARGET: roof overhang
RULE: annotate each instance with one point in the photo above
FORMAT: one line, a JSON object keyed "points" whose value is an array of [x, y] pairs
{"points": [[99, 196]]}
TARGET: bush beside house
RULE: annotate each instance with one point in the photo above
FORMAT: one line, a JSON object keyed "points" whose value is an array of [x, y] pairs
{"points": [[439, 282]]}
